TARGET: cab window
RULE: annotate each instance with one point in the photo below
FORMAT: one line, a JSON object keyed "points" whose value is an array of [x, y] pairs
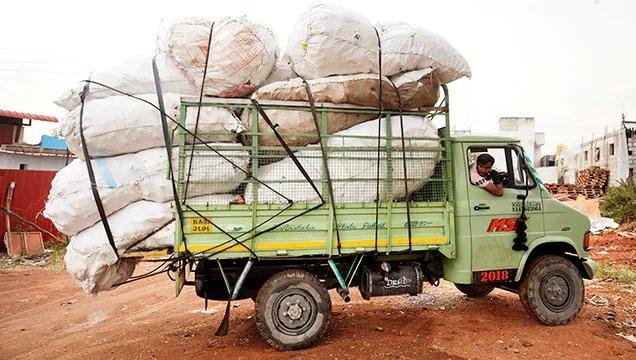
{"points": [[507, 160]]}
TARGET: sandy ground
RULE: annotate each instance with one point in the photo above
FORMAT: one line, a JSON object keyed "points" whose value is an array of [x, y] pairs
{"points": [[588, 207], [44, 315]]}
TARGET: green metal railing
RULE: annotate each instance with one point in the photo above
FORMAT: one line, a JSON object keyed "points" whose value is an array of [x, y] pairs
{"points": [[437, 192]]}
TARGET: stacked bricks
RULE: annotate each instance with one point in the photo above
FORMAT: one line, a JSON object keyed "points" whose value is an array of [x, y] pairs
{"points": [[592, 182], [566, 190]]}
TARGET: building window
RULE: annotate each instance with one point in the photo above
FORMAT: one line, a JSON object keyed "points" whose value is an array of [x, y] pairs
{"points": [[23, 166], [585, 155], [597, 154], [611, 149]]}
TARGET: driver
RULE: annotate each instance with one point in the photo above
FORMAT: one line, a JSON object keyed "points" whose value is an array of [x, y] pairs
{"points": [[483, 175]]}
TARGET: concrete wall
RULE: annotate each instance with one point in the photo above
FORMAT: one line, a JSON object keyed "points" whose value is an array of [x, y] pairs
{"points": [[566, 164], [598, 152], [548, 174], [522, 128], [33, 162]]}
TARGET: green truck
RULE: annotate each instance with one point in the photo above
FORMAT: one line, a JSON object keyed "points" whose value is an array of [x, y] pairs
{"points": [[287, 256]]}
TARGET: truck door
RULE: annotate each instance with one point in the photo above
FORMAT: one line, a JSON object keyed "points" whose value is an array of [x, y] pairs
{"points": [[492, 218]]}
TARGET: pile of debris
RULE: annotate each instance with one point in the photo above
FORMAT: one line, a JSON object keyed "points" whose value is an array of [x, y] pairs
{"points": [[592, 182]]}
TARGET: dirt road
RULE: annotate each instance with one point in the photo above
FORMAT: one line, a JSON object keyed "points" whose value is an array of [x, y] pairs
{"points": [[44, 315]]}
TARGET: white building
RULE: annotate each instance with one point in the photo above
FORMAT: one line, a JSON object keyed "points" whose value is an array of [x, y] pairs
{"points": [[615, 150], [522, 128], [32, 157]]}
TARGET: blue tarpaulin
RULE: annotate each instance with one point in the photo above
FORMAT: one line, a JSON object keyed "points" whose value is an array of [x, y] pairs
{"points": [[52, 142]]}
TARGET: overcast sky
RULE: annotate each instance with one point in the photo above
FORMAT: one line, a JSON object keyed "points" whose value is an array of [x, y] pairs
{"points": [[569, 64]]}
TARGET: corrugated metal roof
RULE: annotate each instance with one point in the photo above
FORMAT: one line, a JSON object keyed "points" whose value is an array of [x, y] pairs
{"points": [[23, 115], [26, 149]]}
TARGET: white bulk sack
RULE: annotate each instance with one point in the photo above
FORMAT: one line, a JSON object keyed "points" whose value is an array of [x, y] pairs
{"points": [[164, 237], [242, 53], [90, 258], [124, 179], [331, 40], [161, 239], [408, 47], [120, 124], [417, 88], [349, 169], [132, 76], [142, 225], [359, 89], [282, 71]]}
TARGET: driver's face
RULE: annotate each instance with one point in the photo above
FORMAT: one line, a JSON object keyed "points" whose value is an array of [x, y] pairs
{"points": [[483, 170]]}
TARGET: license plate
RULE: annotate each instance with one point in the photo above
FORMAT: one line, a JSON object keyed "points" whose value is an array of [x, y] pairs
{"points": [[200, 226]]}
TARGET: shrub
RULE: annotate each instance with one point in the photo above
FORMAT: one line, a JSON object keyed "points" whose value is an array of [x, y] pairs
{"points": [[619, 202]]}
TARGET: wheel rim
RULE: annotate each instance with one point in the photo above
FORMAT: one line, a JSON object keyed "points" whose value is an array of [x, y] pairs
{"points": [[294, 311], [556, 291]]}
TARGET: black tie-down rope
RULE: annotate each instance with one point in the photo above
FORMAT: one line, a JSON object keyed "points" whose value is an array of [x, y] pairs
{"points": [[406, 188], [325, 165], [380, 110], [289, 151], [196, 123], [91, 174], [168, 142]]}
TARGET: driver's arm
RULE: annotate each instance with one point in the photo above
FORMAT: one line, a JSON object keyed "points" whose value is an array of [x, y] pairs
{"points": [[496, 190]]}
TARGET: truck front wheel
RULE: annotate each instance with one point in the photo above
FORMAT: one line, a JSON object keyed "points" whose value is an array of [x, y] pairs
{"points": [[293, 310], [552, 290]]}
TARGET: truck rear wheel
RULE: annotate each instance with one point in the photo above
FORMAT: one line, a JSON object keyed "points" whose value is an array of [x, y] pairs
{"points": [[475, 290], [293, 310], [552, 290]]}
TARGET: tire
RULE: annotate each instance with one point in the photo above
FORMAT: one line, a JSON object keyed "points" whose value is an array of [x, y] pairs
{"points": [[293, 310], [551, 290], [475, 290]]}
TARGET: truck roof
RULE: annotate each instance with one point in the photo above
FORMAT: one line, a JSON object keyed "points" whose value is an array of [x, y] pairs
{"points": [[484, 138]]}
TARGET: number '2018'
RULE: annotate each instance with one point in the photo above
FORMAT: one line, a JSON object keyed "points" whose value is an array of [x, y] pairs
{"points": [[496, 275]]}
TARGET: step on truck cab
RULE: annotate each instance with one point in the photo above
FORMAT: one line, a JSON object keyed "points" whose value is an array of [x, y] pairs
{"points": [[286, 255]]}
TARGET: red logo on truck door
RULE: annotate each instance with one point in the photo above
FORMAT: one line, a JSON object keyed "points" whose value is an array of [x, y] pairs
{"points": [[502, 225]]}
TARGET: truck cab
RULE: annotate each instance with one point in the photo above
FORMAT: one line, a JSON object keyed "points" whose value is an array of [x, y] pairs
{"points": [[487, 228]]}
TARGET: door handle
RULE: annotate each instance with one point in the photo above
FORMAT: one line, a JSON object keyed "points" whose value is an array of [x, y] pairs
{"points": [[481, 207]]}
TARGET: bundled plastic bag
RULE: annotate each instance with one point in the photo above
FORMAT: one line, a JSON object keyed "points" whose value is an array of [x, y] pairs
{"points": [[353, 172], [124, 179], [242, 53], [142, 225], [132, 76], [358, 89], [417, 88], [90, 258], [282, 71], [407, 47], [331, 40], [110, 124]]}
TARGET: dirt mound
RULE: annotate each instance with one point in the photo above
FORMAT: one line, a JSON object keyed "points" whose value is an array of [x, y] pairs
{"points": [[589, 207]]}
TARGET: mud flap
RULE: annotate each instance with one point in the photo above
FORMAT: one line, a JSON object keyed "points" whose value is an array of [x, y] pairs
{"points": [[180, 278]]}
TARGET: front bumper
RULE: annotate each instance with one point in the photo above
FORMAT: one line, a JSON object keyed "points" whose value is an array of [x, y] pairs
{"points": [[589, 266]]}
